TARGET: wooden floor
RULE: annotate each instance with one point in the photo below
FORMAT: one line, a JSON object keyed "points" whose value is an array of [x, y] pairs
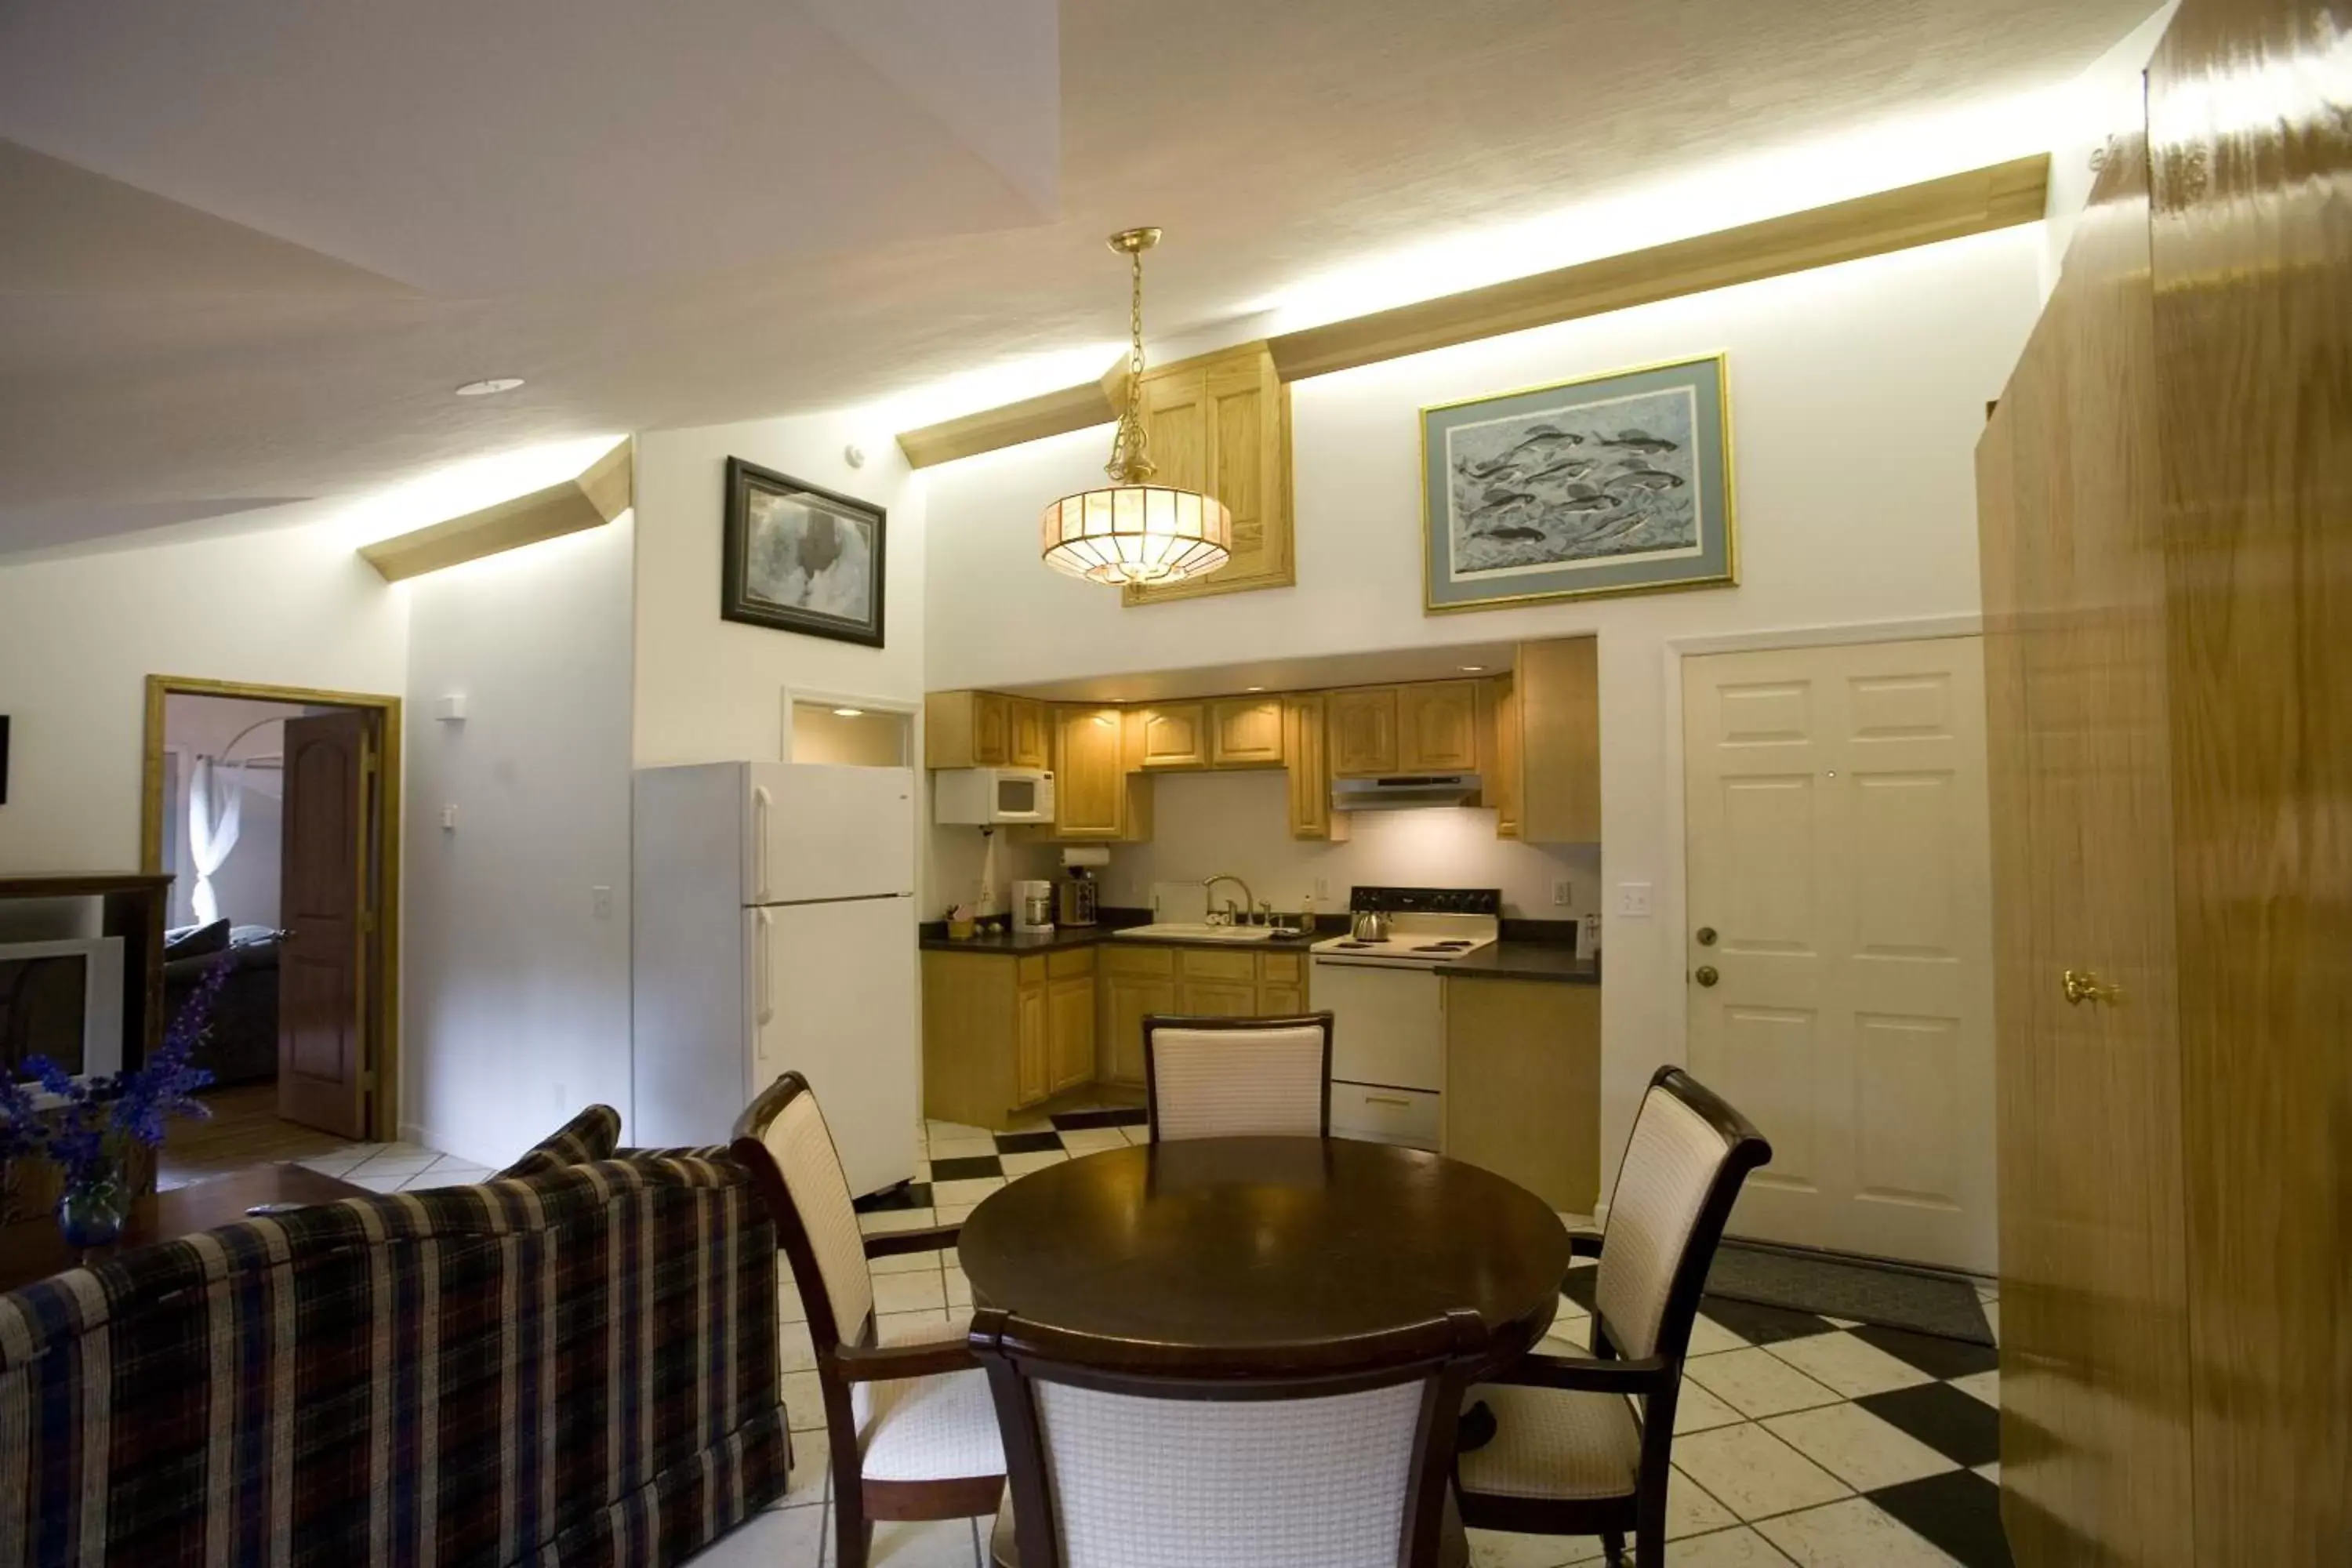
{"points": [[245, 1130]]}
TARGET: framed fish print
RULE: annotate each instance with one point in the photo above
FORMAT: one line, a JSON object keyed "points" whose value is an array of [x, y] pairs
{"points": [[800, 559], [1611, 484]]}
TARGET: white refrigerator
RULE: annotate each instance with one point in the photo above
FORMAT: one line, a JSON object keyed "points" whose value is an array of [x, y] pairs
{"points": [[772, 929]]}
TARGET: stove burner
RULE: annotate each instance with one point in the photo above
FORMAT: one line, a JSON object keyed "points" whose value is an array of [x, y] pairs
{"points": [[1442, 947], [1354, 946]]}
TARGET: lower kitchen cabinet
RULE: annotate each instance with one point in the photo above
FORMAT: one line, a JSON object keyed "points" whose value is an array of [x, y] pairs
{"points": [[1523, 1085], [1215, 982], [1002, 1033]]}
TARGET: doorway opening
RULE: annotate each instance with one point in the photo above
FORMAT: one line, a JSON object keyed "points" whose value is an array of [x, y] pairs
{"points": [[276, 812]]}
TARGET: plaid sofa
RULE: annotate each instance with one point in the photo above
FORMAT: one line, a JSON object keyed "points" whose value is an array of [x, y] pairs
{"points": [[578, 1366]]}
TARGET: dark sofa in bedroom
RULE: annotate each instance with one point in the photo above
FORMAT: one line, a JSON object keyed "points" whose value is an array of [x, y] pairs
{"points": [[242, 1046]]}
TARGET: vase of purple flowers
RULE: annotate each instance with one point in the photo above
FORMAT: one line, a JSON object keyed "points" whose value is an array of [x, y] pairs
{"points": [[87, 1127]]}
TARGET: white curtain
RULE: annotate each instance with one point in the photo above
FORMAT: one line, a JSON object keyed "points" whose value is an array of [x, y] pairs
{"points": [[211, 837]]}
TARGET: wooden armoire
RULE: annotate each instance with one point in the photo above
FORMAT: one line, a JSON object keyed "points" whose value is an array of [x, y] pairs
{"points": [[2166, 497]]}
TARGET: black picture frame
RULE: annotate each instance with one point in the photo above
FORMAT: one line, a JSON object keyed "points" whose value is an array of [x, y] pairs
{"points": [[741, 595]]}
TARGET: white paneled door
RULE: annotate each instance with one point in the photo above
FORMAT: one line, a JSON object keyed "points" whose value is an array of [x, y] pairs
{"points": [[1840, 949]]}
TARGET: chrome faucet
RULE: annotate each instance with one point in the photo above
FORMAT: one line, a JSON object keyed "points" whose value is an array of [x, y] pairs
{"points": [[1232, 914]]}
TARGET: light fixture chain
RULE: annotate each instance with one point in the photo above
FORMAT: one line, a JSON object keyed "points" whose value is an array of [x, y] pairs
{"points": [[1130, 453]]}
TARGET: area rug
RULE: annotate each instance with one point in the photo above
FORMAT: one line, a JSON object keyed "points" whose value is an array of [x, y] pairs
{"points": [[1887, 1294]]}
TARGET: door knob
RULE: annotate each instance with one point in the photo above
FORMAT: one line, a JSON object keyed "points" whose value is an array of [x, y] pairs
{"points": [[1707, 936], [1707, 975], [2083, 985]]}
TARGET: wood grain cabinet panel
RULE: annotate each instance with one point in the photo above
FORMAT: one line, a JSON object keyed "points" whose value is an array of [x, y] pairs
{"points": [[1500, 768], [1437, 727], [1557, 685], [1221, 424], [1246, 732], [1363, 730], [1030, 742], [1217, 998], [1070, 1031], [1097, 792], [1126, 1000], [970, 730], [1523, 1085], [1306, 753], [1033, 1030], [1174, 736]]}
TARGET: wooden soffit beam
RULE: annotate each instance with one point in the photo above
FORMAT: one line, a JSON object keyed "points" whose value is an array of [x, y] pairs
{"points": [[590, 498], [1999, 195]]}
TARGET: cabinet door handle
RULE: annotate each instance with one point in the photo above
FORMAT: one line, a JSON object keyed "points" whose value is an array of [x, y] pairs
{"points": [[1387, 1099], [2082, 985]]}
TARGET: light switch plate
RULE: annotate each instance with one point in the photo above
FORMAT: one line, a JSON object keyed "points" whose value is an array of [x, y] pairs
{"points": [[1562, 894], [1633, 900]]}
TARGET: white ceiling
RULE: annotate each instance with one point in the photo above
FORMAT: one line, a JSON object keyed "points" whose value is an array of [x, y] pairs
{"points": [[251, 245]]}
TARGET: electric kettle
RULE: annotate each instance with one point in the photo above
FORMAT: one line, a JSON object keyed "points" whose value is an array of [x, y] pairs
{"points": [[1371, 925]]}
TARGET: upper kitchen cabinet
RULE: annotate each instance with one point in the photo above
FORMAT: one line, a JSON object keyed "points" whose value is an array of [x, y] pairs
{"points": [[1220, 424], [968, 729], [1098, 792], [1499, 770], [1437, 727], [1557, 689], [1246, 732], [1363, 730], [1174, 736], [1307, 752], [1032, 729]]}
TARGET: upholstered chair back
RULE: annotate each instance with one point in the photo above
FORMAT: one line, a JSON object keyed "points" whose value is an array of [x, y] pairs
{"points": [[1671, 1167], [1114, 1465], [802, 1145], [1238, 1077]]}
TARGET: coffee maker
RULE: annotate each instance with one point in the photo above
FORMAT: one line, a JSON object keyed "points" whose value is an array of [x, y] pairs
{"points": [[1033, 906], [1077, 887]]}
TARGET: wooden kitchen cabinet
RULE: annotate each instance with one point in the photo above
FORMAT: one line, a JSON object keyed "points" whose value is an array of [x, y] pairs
{"points": [[970, 730], [1220, 424], [1002, 1033], [1498, 765], [1363, 730], [1140, 980], [1246, 732], [1097, 793], [1030, 729], [1557, 686], [1174, 736], [1437, 727], [1137, 982], [1523, 1084], [1306, 753]]}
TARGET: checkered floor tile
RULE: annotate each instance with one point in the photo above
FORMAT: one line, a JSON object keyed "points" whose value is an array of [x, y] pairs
{"points": [[1797, 1439]]}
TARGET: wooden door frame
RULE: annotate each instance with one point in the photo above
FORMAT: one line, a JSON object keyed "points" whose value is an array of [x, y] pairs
{"points": [[384, 907]]}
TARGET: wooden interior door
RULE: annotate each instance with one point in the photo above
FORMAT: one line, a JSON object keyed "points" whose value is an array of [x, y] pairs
{"points": [[1840, 954], [325, 868], [2093, 1351]]}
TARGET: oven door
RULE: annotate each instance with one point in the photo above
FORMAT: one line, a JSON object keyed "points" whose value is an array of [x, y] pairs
{"points": [[1386, 1026]]}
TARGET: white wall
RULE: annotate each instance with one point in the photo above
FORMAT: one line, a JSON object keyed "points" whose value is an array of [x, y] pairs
{"points": [[515, 996], [1239, 823], [712, 691], [78, 634], [1857, 393]]}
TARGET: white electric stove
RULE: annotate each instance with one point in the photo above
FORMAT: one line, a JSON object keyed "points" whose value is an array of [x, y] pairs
{"points": [[1387, 1026]]}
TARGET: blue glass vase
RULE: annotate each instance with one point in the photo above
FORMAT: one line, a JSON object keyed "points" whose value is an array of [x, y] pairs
{"points": [[93, 1206]]}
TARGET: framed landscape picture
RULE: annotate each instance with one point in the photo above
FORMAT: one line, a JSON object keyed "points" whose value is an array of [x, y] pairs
{"points": [[800, 559], [1612, 484]]}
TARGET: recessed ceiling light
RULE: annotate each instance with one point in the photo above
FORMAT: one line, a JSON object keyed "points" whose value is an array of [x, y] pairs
{"points": [[484, 388], [1471, 669], [849, 712], [1254, 688]]}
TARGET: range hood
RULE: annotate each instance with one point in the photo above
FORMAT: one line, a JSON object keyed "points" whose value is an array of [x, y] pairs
{"points": [[1398, 791]]}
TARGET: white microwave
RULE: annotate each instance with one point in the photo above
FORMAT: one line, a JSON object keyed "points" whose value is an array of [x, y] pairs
{"points": [[983, 797]]}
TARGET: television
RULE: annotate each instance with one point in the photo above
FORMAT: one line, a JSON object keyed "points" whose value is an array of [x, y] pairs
{"points": [[62, 999]]}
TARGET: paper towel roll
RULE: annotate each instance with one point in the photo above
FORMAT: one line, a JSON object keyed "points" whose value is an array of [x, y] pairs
{"points": [[1085, 855]]}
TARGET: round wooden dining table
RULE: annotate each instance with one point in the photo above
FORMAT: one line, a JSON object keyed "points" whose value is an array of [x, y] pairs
{"points": [[1233, 1243]]}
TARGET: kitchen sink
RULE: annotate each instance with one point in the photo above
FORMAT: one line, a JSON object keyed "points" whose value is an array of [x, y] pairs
{"points": [[1179, 930]]}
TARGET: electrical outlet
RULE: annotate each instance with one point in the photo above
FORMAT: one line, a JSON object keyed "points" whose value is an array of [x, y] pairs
{"points": [[1322, 887], [600, 903], [1560, 894], [1633, 900], [449, 817]]}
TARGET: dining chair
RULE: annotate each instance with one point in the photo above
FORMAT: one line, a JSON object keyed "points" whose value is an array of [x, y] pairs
{"points": [[910, 1423], [1237, 1078], [1124, 1453], [1582, 1444]]}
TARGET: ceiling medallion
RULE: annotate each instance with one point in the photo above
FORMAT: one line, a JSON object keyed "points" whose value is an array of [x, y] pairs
{"points": [[1132, 531]]}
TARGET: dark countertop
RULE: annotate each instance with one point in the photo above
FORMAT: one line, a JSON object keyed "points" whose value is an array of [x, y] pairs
{"points": [[934, 937], [1555, 962]]}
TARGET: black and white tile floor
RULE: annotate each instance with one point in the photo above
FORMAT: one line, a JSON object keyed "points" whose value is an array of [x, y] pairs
{"points": [[1798, 1439]]}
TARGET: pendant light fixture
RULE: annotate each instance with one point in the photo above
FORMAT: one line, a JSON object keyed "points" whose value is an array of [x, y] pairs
{"points": [[1132, 531]]}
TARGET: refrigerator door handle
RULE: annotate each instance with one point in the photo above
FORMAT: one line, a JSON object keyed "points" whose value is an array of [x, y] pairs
{"points": [[760, 801], [767, 1009]]}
